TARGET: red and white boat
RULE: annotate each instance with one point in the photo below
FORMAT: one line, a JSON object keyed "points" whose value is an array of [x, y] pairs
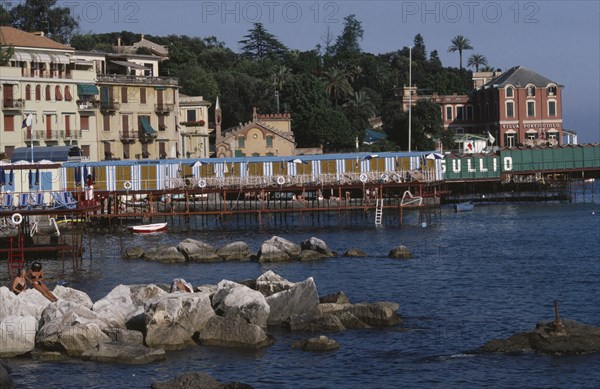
{"points": [[147, 228]]}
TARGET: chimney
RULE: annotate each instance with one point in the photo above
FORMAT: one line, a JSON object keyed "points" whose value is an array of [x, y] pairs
{"points": [[38, 33]]}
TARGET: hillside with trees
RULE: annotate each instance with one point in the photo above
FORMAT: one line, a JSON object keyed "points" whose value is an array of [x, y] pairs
{"points": [[332, 90]]}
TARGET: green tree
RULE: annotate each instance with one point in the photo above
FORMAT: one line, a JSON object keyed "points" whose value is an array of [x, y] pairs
{"points": [[477, 60], [198, 82], [434, 59], [281, 75], [336, 84], [419, 52], [260, 44], [5, 16], [44, 15], [347, 42], [6, 53], [460, 43]]}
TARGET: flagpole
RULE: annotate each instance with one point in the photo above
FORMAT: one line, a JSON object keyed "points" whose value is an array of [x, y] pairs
{"points": [[409, 96]]}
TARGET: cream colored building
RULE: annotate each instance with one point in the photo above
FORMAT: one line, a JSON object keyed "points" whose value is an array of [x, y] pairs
{"points": [[265, 135], [193, 127], [41, 82]]}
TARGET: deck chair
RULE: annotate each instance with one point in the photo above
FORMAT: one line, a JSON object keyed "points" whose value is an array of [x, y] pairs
{"points": [[7, 202], [64, 200], [26, 200], [38, 200]]}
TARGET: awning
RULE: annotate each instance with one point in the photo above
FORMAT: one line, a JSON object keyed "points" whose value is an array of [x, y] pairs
{"points": [[147, 127], [23, 57], [129, 64], [60, 58], [160, 88], [82, 62], [41, 58], [87, 90]]}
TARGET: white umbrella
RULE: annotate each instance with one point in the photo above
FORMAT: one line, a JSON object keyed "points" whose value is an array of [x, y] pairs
{"points": [[435, 156], [298, 160], [197, 164], [371, 156]]}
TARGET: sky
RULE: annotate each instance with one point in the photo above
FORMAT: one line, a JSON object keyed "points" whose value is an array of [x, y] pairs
{"points": [[558, 39]]}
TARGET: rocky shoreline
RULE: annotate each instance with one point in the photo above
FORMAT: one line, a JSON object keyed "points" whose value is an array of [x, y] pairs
{"points": [[275, 249]]}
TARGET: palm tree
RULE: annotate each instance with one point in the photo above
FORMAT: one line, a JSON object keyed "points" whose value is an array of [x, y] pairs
{"points": [[362, 102], [336, 83], [281, 74], [477, 60], [488, 68], [460, 43]]}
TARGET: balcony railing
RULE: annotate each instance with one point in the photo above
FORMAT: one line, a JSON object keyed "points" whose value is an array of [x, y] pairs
{"points": [[88, 105], [34, 135], [110, 106], [125, 79], [128, 136], [53, 135], [72, 134], [164, 107], [13, 104]]}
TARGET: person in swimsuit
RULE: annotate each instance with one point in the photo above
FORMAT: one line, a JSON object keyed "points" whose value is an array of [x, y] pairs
{"points": [[36, 278], [20, 282]]}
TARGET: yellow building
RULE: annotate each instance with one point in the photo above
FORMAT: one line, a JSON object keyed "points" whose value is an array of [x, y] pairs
{"points": [[193, 127], [39, 88], [265, 135]]}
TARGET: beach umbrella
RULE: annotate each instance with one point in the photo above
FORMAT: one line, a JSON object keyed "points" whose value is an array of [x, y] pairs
{"points": [[371, 156], [77, 175], [435, 156], [197, 164], [30, 179], [37, 177], [94, 173], [11, 177], [298, 160], [2, 176]]}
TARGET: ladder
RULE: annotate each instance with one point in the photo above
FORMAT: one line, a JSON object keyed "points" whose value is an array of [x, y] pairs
{"points": [[16, 254], [378, 211]]}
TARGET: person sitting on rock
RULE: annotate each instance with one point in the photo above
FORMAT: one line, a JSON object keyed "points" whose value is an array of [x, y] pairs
{"points": [[20, 282], [36, 278], [180, 285]]}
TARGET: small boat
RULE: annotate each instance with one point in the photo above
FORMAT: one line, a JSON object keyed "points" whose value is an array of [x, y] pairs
{"points": [[147, 228], [464, 207]]}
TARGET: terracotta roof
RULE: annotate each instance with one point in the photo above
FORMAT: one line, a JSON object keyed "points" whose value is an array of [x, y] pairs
{"points": [[10, 36]]}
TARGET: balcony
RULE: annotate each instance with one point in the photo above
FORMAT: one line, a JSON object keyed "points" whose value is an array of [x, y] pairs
{"points": [[88, 105], [72, 135], [34, 135], [53, 135], [164, 108], [139, 80], [12, 104], [127, 136], [109, 106]]}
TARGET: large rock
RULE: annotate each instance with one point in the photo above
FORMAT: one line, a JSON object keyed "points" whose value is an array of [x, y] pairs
{"points": [[335, 298], [571, 338], [5, 380], [73, 295], [123, 353], [174, 319], [322, 343], [301, 299], [221, 331], [125, 303], [349, 321], [290, 248], [235, 251], [17, 335], [198, 251], [28, 303], [270, 283], [376, 314], [233, 300], [197, 380], [318, 245], [133, 253], [168, 254], [269, 252], [71, 328], [400, 252], [123, 336], [310, 255], [324, 323]]}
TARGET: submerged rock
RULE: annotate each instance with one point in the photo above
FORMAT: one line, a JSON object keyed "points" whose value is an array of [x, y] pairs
{"points": [[354, 252], [322, 343], [197, 380], [133, 253], [572, 338], [123, 353], [5, 380], [400, 252]]}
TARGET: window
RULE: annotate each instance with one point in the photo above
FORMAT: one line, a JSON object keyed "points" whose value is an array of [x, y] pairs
{"points": [[448, 113], [143, 95], [191, 115], [238, 153], [552, 134], [459, 112], [48, 93], [107, 152], [551, 91], [531, 91], [255, 154], [145, 153], [67, 126], [124, 94], [57, 93], [509, 140], [161, 123], [162, 150], [469, 112], [8, 150], [270, 154], [68, 96], [551, 108], [269, 141], [84, 123], [28, 92], [85, 150], [530, 108], [510, 109], [532, 135], [510, 91], [125, 125], [9, 123], [241, 142], [38, 92], [106, 122], [125, 150]]}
